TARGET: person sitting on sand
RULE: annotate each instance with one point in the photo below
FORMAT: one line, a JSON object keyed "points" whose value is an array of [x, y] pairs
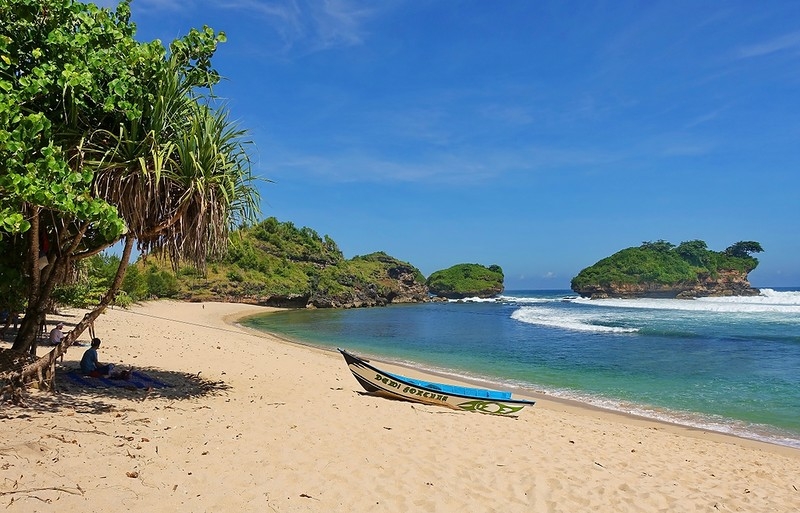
{"points": [[90, 366], [56, 335]]}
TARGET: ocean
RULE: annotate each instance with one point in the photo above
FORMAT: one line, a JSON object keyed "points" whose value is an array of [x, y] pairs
{"points": [[728, 364]]}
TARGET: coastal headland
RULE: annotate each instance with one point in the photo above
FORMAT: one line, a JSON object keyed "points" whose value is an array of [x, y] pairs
{"points": [[252, 422]]}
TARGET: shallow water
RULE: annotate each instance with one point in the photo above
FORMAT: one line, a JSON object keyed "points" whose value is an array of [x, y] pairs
{"points": [[726, 364]]}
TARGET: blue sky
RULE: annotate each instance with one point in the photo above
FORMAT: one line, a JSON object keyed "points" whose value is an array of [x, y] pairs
{"points": [[540, 136]]}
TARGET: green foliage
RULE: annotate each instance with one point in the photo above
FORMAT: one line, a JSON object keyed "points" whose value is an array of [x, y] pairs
{"points": [[61, 63], [284, 240], [134, 285], [94, 275], [161, 283], [12, 280], [743, 249], [103, 136], [663, 263], [695, 252], [659, 246], [465, 280], [123, 300], [274, 258], [743, 263], [635, 265], [91, 280]]}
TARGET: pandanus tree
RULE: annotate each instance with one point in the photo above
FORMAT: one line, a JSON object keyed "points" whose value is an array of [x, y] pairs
{"points": [[108, 140]]}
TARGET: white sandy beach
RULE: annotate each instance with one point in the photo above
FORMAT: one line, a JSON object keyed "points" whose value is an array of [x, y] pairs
{"points": [[254, 423]]}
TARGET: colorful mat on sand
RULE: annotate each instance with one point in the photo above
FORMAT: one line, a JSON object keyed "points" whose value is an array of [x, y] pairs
{"points": [[137, 379]]}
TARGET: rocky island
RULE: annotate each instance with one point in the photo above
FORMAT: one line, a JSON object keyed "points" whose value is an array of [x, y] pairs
{"points": [[466, 280], [662, 270]]}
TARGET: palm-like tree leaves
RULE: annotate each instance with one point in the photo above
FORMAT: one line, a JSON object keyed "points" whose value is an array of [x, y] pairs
{"points": [[180, 175]]}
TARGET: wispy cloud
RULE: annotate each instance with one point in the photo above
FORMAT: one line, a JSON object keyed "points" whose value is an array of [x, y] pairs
{"points": [[307, 25], [458, 167], [151, 6], [339, 22], [303, 26], [705, 118], [786, 42], [355, 166]]}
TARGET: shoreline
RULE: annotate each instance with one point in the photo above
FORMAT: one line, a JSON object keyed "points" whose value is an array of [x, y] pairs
{"points": [[254, 422], [540, 396]]}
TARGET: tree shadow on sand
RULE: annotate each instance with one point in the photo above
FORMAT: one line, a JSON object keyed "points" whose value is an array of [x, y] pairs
{"points": [[74, 396]]}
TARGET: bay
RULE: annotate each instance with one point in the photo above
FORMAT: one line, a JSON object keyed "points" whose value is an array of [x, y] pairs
{"points": [[725, 364]]}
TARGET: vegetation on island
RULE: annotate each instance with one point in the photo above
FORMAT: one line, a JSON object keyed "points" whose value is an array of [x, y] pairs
{"points": [[661, 263], [467, 280], [107, 140], [271, 263], [277, 263]]}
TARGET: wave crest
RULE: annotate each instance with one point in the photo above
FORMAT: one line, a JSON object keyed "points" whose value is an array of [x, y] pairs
{"points": [[591, 322], [769, 301]]}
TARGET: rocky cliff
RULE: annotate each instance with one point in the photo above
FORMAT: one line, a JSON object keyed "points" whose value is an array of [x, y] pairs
{"points": [[725, 283], [396, 282], [399, 285]]}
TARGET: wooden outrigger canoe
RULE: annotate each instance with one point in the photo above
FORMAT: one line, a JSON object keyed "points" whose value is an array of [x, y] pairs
{"points": [[376, 381]]}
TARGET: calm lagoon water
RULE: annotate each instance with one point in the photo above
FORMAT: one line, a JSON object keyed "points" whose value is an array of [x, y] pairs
{"points": [[726, 364]]}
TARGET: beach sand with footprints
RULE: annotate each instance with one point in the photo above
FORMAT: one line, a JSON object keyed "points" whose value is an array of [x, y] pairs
{"points": [[227, 419]]}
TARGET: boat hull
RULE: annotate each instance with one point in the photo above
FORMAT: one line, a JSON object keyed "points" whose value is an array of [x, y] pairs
{"points": [[379, 382]]}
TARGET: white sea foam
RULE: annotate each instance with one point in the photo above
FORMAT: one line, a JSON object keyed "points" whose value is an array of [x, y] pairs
{"points": [[769, 301], [475, 300], [709, 422], [535, 300], [575, 321], [716, 423]]}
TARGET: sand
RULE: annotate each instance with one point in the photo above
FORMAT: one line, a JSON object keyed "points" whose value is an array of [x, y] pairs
{"points": [[255, 423]]}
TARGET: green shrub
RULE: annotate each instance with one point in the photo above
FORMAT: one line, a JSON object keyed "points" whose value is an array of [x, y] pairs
{"points": [[465, 280], [134, 285], [162, 284], [665, 264]]}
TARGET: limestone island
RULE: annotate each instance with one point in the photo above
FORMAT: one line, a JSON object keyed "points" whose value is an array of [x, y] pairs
{"points": [[466, 280], [662, 270]]}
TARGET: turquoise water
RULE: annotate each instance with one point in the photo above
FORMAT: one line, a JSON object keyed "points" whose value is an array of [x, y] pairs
{"points": [[725, 364]]}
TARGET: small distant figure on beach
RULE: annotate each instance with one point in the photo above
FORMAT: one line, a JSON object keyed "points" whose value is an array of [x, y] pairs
{"points": [[91, 366], [56, 335]]}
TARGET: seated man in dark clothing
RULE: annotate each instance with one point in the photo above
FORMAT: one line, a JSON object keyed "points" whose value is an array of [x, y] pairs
{"points": [[90, 366]]}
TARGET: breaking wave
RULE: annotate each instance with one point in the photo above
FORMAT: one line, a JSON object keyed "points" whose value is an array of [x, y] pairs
{"points": [[769, 301], [575, 321]]}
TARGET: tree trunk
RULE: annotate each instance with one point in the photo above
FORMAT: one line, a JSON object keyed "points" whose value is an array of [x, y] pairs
{"points": [[34, 313], [44, 367], [39, 295]]}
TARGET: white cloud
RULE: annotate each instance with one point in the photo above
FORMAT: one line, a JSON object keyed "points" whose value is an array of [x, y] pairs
{"points": [[785, 42], [705, 118], [158, 5], [303, 26], [308, 25]]}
